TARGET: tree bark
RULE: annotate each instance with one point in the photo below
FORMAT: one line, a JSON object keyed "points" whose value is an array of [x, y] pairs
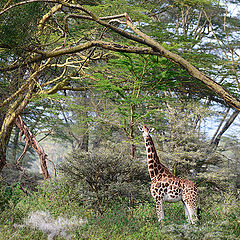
{"points": [[131, 134], [15, 144], [3, 145], [220, 125]]}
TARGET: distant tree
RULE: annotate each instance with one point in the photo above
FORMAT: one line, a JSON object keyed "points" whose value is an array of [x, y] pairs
{"points": [[182, 143]]}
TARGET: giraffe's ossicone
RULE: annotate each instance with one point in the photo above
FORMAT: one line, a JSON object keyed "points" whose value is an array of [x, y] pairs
{"points": [[165, 186]]}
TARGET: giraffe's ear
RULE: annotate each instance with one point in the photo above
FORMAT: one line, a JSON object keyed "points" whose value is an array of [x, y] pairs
{"points": [[151, 129], [140, 128]]}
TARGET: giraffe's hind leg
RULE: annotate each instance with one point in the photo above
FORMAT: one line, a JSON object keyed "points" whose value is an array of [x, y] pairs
{"points": [[189, 198], [159, 209], [190, 211], [187, 215]]}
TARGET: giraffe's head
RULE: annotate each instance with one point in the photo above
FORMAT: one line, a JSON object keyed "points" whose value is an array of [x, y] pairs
{"points": [[145, 130]]}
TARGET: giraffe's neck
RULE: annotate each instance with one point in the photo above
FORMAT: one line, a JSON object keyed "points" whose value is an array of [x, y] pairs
{"points": [[155, 168]]}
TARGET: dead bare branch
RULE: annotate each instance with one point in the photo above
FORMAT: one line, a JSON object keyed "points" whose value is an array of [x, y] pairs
{"points": [[30, 139]]}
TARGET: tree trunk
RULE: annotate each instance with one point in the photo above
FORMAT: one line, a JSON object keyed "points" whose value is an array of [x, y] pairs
{"points": [[236, 178], [5, 137], [220, 125], [85, 137], [7, 119], [84, 143], [228, 123]]}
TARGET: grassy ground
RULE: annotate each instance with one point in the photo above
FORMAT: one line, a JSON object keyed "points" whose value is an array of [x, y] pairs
{"points": [[219, 218]]}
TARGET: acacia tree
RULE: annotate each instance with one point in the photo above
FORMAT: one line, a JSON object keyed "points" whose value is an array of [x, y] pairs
{"points": [[43, 62]]}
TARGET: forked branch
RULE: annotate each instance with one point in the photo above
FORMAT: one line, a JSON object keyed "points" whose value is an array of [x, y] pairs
{"points": [[31, 140]]}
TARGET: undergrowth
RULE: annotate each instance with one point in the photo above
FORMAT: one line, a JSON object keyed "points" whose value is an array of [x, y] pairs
{"points": [[58, 206]]}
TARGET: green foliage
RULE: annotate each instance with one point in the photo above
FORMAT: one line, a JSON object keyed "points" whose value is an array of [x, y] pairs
{"points": [[127, 89], [132, 89], [114, 7], [219, 217], [19, 24], [54, 196], [105, 175], [9, 195]]}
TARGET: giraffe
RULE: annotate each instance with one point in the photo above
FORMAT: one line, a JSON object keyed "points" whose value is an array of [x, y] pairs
{"points": [[165, 187]]}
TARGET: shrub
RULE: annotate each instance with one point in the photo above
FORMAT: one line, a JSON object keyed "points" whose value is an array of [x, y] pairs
{"points": [[106, 174], [9, 193]]}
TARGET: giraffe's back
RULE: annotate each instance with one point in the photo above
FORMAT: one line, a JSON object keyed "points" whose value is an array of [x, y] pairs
{"points": [[172, 189]]}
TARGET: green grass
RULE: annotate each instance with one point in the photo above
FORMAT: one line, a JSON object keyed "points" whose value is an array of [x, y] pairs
{"points": [[220, 217]]}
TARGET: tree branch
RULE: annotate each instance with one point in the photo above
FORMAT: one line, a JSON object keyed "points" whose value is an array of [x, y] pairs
{"points": [[46, 17], [193, 71], [30, 139], [70, 50]]}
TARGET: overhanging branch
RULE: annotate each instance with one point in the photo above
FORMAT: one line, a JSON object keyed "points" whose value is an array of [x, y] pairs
{"points": [[140, 37], [193, 71], [42, 55]]}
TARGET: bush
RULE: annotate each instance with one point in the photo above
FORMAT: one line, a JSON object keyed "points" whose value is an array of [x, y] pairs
{"points": [[9, 193], [106, 174]]}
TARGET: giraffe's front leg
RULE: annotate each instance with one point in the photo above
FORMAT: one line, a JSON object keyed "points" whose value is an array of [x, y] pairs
{"points": [[159, 209]]}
